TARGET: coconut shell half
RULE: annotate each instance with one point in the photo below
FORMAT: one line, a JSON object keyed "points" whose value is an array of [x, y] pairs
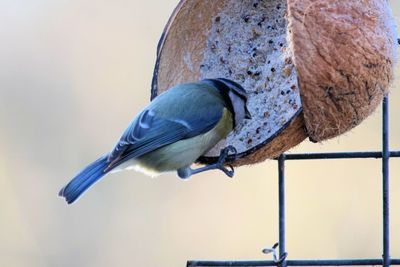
{"points": [[344, 52], [311, 68]]}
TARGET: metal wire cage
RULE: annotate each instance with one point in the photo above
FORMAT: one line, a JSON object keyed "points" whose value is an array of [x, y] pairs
{"points": [[385, 154]]}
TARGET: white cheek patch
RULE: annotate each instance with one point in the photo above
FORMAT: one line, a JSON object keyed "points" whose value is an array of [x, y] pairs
{"points": [[238, 106]]}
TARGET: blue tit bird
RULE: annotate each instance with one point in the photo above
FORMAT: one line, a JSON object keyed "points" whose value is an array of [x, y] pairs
{"points": [[171, 133]]}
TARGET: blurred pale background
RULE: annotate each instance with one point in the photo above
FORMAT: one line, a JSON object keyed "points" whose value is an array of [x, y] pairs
{"points": [[72, 75]]}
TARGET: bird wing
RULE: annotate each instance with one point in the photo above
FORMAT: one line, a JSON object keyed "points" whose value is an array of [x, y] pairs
{"points": [[149, 132]]}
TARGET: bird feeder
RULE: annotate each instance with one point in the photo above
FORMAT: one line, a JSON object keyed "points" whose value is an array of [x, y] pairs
{"points": [[311, 68]]}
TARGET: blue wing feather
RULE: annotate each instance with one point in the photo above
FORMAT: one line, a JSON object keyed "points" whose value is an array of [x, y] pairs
{"points": [[150, 132]]}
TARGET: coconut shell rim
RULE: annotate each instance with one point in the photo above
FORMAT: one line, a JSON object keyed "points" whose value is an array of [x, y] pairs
{"points": [[160, 46], [231, 159]]}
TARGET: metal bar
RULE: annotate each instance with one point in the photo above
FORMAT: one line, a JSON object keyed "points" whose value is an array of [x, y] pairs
{"points": [[385, 155], [385, 182], [343, 262], [341, 155], [282, 226]]}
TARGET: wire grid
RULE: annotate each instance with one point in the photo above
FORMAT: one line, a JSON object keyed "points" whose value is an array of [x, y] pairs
{"points": [[385, 155]]}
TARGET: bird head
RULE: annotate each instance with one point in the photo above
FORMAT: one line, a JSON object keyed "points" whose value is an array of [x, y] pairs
{"points": [[235, 96]]}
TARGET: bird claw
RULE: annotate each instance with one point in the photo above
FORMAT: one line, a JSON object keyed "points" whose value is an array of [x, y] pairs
{"points": [[230, 173], [225, 153], [222, 158]]}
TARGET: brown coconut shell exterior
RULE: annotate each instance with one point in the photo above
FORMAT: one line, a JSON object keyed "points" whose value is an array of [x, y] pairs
{"points": [[185, 35], [343, 52]]}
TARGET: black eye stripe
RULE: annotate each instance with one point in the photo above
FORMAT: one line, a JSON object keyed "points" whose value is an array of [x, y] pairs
{"points": [[234, 87], [225, 85]]}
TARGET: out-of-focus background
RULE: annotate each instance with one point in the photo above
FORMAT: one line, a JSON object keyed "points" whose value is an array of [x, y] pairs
{"points": [[72, 75]]}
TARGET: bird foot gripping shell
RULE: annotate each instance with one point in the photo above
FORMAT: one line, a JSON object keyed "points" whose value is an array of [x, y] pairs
{"points": [[222, 160]]}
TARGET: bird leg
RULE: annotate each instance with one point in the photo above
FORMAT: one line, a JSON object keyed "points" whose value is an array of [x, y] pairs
{"points": [[186, 172]]}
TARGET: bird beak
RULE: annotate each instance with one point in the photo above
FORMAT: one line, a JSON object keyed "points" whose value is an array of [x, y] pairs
{"points": [[247, 115]]}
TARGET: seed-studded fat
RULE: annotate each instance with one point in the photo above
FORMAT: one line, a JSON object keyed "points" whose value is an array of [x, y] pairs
{"points": [[247, 43]]}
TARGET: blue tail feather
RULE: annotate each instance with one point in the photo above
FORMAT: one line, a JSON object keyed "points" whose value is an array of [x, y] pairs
{"points": [[83, 180]]}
